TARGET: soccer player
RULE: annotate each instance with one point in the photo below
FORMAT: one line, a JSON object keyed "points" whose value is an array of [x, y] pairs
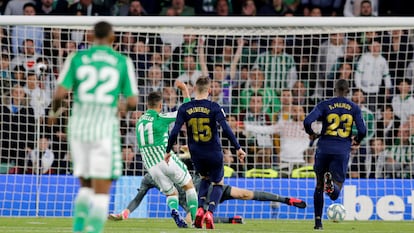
{"points": [[229, 193], [97, 77], [337, 115], [201, 117], [152, 134]]}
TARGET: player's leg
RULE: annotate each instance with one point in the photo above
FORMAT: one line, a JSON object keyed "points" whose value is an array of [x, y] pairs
{"points": [[147, 183], [105, 166], [245, 194], [85, 194], [320, 167], [336, 177], [160, 173], [216, 175]]}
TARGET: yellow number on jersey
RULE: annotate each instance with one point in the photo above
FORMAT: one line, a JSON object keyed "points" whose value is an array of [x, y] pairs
{"points": [[335, 129], [201, 129]]}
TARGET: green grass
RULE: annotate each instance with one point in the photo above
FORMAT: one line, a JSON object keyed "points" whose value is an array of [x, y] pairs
{"points": [[56, 225]]}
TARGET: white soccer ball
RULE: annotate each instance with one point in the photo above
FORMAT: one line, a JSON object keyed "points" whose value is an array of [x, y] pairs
{"points": [[336, 212]]}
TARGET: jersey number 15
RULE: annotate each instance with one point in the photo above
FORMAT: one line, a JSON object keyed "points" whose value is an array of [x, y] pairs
{"points": [[200, 129]]}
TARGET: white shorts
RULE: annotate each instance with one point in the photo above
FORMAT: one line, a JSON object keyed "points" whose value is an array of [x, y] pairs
{"points": [[100, 160], [166, 175]]}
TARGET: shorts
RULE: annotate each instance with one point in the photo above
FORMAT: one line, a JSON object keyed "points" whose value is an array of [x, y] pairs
{"points": [[96, 160], [166, 175], [336, 164], [210, 166]]}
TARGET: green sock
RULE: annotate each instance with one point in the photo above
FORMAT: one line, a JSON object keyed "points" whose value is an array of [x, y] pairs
{"points": [[172, 202], [192, 202], [97, 214], [81, 209]]}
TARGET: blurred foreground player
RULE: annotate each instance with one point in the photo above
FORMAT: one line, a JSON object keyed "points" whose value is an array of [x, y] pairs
{"points": [[97, 77], [337, 115], [201, 117]]}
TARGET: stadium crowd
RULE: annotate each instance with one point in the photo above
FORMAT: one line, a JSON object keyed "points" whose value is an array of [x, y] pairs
{"points": [[269, 81]]}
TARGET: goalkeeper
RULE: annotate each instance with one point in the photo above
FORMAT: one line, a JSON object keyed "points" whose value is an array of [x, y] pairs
{"points": [[229, 193]]}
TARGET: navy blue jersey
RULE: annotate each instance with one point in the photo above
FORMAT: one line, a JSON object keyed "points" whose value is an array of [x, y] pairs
{"points": [[202, 118], [337, 116]]}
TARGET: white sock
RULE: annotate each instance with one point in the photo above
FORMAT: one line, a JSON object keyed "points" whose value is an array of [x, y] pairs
{"points": [[98, 213]]}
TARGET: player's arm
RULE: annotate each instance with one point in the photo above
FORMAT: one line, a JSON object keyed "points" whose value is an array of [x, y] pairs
{"points": [[174, 133], [228, 133], [313, 116], [170, 117], [361, 127]]}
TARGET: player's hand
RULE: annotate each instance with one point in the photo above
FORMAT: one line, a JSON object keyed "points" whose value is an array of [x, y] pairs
{"points": [[241, 154], [313, 137], [355, 145], [180, 85], [167, 157]]}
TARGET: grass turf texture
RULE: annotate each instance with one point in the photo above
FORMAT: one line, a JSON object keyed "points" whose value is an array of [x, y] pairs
{"points": [[56, 225]]}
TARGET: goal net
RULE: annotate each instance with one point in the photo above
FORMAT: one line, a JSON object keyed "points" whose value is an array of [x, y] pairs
{"points": [[264, 71]]}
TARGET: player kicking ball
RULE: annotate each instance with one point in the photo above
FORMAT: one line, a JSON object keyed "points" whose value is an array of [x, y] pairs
{"points": [[229, 193], [152, 133], [337, 114]]}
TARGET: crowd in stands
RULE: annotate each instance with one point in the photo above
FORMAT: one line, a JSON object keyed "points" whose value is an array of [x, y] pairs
{"points": [[266, 84], [348, 8]]}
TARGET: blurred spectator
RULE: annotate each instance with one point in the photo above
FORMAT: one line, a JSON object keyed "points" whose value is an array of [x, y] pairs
{"points": [[345, 72], [131, 167], [398, 52], [235, 126], [351, 57], [170, 99], [153, 82], [294, 141], [6, 78], [260, 144], [134, 9], [191, 73], [88, 8], [16, 7], [41, 158], [125, 42], [315, 12], [387, 125], [188, 47], [222, 8], [286, 105], [256, 84], [51, 7], [228, 161], [17, 126], [359, 98], [274, 8], [39, 99], [292, 5], [140, 57], [27, 58], [372, 77], [402, 153], [361, 8], [403, 101], [379, 164], [178, 8], [329, 52], [3, 4], [130, 138], [21, 33], [328, 7], [278, 66], [249, 8], [218, 96], [300, 96], [121, 7]]}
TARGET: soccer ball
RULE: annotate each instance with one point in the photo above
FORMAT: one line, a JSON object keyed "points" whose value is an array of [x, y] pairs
{"points": [[336, 212]]}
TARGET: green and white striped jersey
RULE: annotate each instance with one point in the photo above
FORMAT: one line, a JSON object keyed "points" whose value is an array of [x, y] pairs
{"points": [[152, 135], [97, 76], [279, 70]]}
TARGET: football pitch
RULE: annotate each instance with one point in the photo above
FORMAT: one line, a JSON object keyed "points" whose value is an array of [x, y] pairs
{"points": [[56, 225]]}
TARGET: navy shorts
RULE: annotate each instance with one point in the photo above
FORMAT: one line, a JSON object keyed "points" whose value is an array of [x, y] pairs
{"points": [[336, 164], [210, 165]]}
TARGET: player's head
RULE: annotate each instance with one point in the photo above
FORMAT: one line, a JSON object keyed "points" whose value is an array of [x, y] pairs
{"points": [[203, 85], [342, 87], [103, 33], [154, 100]]}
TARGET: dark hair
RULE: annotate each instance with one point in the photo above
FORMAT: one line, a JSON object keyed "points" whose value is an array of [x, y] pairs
{"points": [[154, 98], [102, 30], [342, 85], [366, 1], [29, 4]]}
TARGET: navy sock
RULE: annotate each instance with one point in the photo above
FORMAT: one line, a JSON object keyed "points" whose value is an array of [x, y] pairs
{"points": [[215, 197], [318, 205], [335, 194], [202, 192]]}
